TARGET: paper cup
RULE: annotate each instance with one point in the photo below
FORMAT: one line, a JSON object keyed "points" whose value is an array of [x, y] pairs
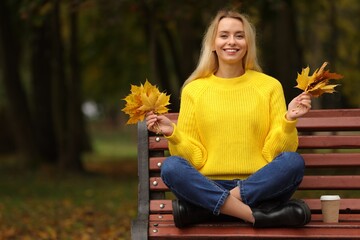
{"points": [[330, 205]]}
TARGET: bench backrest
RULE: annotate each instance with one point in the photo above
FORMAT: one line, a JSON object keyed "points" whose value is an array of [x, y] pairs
{"points": [[329, 141]]}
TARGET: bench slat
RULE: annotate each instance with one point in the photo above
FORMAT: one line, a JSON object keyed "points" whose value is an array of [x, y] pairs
{"points": [[158, 143], [331, 159], [328, 124], [157, 184], [346, 204], [337, 182], [326, 113], [245, 231], [333, 142], [309, 142], [311, 160], [315, 217], [330, 182], [155, 163]]}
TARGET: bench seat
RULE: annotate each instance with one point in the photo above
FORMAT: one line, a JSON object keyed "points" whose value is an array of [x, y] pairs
{"points": [[329, 141]]}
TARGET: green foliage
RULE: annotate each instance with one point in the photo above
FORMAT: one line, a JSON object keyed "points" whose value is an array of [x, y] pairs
{"points": [[114, 50], [116, 41], [328, 31], [128, 41]]}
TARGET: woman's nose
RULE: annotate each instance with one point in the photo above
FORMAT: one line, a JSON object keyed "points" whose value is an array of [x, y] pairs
{"points": [[231, 40]]}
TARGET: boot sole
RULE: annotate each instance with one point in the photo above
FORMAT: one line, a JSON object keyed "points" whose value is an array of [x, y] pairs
{"points": [[176, 214]]}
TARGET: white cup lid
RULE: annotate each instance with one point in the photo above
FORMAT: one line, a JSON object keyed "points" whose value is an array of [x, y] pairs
{"points": [[330, 197]]}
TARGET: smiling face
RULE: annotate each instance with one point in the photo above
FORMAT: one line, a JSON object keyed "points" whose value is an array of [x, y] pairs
{"points": [[230, 44]]}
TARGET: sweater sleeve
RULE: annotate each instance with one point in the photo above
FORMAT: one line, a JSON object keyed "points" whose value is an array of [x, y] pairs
{"points": [[282, 135], [185, 140]]}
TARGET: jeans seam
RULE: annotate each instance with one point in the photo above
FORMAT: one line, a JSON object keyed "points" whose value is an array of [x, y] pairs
{"points": [[242, 192], [221, 201]]}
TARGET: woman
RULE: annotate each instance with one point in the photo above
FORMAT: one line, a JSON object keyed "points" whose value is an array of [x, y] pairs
{"points": [[233, 148]]}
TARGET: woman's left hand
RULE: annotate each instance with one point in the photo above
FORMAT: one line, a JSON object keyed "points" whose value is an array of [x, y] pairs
{"points": [[299, 106]]}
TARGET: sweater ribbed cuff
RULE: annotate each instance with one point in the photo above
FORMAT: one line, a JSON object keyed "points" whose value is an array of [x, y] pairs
{"points": [[174, 138], [289, 126]]}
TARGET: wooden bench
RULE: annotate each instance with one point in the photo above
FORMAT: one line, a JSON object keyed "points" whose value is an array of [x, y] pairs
{"points": [[329, 141]]}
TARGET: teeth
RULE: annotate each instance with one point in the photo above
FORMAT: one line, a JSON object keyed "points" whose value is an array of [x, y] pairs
{"points": [[230, 50]]}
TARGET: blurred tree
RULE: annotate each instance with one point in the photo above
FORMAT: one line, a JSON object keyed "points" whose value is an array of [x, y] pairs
{"points": [[114, 52], [40, 26], [328, 31], [281, 52], [348, 49], [7, 144], [76, 133], [16, 101], [45, 109], [332, 100]]}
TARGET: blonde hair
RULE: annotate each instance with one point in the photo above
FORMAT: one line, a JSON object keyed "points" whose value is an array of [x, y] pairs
{"points": [[208, 62]]}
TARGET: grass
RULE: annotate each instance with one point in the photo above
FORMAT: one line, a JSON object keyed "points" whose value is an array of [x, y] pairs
{"points": [[114, 141], [41, 205], [98, 205]]}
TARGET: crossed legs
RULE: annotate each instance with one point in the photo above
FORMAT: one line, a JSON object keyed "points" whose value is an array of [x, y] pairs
{"points": [[277, 181]]}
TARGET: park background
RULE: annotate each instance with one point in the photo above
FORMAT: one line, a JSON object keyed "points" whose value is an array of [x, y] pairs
{"points": [[68, 165]]}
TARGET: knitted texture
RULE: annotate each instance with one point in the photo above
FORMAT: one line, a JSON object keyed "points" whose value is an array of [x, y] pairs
{"points": [[228, 128]]}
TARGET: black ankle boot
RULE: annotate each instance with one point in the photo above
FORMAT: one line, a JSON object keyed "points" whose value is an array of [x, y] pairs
{"points": [[294, 213], [186, 214]]}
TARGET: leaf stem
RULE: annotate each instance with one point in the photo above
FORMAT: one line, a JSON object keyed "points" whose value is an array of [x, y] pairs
{"points": [[158, 129]]}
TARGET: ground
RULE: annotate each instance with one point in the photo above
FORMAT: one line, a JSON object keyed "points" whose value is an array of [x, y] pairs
{"points": [[43, 205]]}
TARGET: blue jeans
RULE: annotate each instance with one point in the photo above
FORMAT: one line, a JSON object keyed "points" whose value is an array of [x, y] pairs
{"points": [[275, 182]]}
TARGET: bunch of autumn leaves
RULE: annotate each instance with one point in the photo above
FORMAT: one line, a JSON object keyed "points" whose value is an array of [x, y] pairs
{"points": [[319, 82], [147, 97], [143, 99]]}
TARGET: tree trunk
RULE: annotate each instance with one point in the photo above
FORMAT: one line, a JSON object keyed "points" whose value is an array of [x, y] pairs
{"points": [[281, 51], [332, 100], [42, 89], [75, 118], [59, 88], [17, 105], [7, 144]]}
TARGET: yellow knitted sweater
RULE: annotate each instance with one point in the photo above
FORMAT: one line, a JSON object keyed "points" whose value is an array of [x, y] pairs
{"points": [[228, 128]]}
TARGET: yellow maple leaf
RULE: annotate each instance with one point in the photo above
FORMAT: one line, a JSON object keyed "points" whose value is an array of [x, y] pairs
{"points": [[143, 99], [303, 78], [318, 83]]}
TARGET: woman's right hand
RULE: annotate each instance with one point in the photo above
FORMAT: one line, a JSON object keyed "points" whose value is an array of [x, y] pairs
{"points": [[299, 106], [159, 124]]}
